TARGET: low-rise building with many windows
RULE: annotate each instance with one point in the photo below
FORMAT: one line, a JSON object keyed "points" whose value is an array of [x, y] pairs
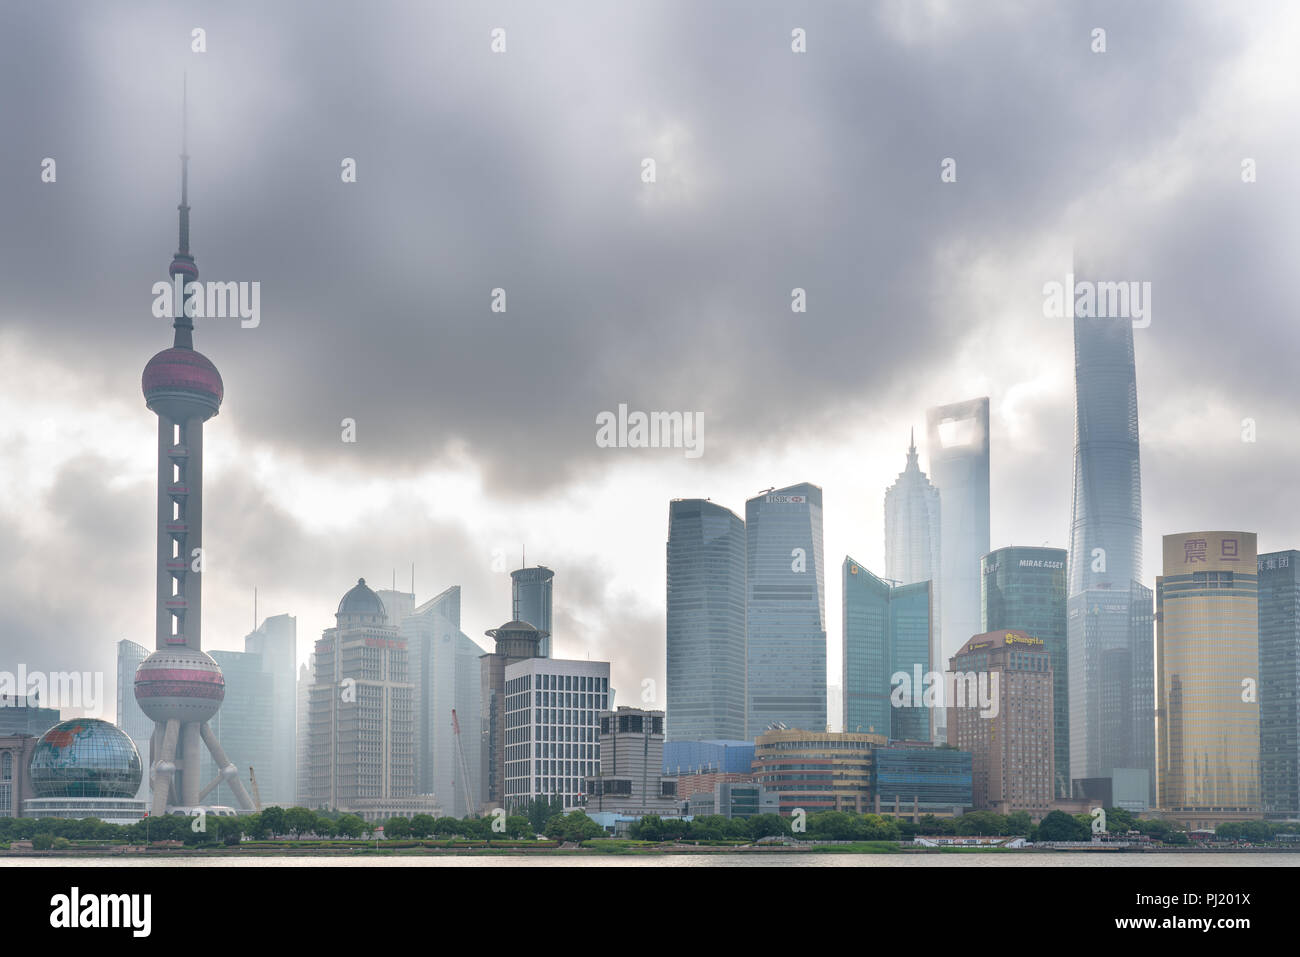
{"points": [[911, 779], [552, 728], [817, 770]]}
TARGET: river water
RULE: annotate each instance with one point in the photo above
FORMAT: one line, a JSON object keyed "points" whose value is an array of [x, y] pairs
{"points": [[970, 859]]}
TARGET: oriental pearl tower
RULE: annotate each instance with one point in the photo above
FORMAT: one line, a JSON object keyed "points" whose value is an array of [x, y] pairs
{"points": [[179, 687]]}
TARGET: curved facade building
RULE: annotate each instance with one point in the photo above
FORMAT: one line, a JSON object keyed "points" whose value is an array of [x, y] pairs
{"points": [[530, 590], [705, 622], [826, 771], [1109, 612], [1107, 505], [1207, 646]]}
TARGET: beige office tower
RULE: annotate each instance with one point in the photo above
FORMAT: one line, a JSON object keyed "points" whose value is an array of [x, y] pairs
{"points": [[360, 718], [1207, 676]]}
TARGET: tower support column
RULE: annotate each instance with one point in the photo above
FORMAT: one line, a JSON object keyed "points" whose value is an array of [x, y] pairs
{"points": [[163, 767], [190, 753], [225, 768]]}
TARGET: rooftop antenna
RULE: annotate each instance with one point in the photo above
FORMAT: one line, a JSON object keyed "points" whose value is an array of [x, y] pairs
{"points": [[413, 581], [255, 608]]}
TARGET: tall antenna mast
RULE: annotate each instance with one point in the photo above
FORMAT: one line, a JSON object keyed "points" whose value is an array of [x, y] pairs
{"points": [[183, 261]]}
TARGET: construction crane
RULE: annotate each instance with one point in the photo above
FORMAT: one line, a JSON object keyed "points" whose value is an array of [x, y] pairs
{"points": [[464, 766], [257, 797]]}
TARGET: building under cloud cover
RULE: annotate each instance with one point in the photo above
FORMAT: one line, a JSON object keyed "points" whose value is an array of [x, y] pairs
{"points": [[516, 171]]}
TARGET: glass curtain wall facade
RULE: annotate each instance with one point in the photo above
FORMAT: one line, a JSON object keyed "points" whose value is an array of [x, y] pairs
{"points": [[1109, 614], [445, 670], [1279, 682], [958, 439], [785, 610], [244, 726], [129, 716], [706, 622], [1023, 588], [886, 631], [276, 643], [531, 592]]}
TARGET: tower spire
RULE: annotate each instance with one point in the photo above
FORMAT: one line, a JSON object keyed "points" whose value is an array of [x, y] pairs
{"points": [[911, 451], [185, 167], [183, 261]]}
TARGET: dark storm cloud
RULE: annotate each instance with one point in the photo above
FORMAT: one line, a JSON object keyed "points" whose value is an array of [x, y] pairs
{"points": [[521, 170], [61, 593]]}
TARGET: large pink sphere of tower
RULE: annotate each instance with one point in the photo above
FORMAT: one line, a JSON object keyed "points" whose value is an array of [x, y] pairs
{"points": [[179, 683], [180, 382]]}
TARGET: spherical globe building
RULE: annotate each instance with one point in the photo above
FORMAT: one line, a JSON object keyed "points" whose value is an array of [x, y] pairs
{"points": [[85, 767]]}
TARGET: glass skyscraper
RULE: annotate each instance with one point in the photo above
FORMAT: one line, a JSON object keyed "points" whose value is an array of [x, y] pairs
{"points": [[445, 669], [257, 722], [244, 726], [706, 622], [958, 440], [276, 642], [129, 716], [531, 590], [957, 436], [1023, 589], [1109, 613], [913, 539], [1207, 649], [1106, 518], [1279, 683], [886, 631], [785, 622]]}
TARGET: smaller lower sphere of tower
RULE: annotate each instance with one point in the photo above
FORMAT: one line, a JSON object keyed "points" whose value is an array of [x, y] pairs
{"points": [[179, 683]]}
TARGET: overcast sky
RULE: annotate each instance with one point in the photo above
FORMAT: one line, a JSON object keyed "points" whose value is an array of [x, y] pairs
{"points": [[522, 170]]}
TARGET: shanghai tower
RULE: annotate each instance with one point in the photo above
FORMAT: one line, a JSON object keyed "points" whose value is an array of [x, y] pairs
{"points": [[179, 687], [1109, 611]]}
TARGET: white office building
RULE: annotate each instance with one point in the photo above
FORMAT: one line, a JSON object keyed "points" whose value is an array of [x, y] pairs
{"points": [[552, 734]]}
